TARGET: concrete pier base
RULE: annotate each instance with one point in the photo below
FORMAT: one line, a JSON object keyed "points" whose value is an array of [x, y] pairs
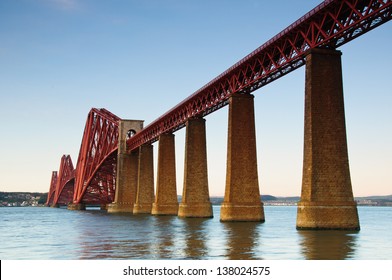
{"points": [[145, 186], [195, 198], [233, 212], [195, 210], [160, 209], [166, 202], [327, 200], [242, 196], [78, 206], [341, 216], [142, 208], [120, 207]]}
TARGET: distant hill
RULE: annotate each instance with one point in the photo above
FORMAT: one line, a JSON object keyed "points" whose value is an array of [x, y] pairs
{"points": [[384, 197], [19, 197], [268, 197], [376, 200], [216, 200], [27, 198], [289, 198]]}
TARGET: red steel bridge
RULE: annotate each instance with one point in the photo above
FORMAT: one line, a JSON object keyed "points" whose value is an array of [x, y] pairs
{"points": [[328, 26], [94, 179]]}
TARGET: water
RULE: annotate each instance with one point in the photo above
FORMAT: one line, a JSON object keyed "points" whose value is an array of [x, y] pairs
{"points": [[50, 233]]}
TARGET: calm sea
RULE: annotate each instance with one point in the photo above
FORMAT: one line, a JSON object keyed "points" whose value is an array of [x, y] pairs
{"points": [[48, 233]]}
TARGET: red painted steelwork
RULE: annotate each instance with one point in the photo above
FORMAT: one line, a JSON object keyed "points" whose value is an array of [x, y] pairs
{"points": [[95, 177], [329, 25], [65, 182], [52, 189]]}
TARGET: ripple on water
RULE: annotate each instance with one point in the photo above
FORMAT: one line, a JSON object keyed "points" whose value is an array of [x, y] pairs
{"points": [[50, 233]]}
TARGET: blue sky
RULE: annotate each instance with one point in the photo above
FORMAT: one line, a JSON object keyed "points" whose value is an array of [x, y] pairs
{"points": [[60, 58]]}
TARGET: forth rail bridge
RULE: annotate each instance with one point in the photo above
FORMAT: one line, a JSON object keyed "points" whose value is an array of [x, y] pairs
{"points": [[115, 163]]}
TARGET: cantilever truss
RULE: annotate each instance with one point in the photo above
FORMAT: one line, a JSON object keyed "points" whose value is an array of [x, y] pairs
{"points": [[62, 183], [65, 182], [96, 167], [329, 25], [52, 189]]}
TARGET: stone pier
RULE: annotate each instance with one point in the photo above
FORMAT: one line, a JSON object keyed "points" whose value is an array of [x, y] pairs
{"points": [[126, 185], [327, 199], [242, 195], [127, 168], [76, 206], [166, 202], [145, 185], [195, 198]]}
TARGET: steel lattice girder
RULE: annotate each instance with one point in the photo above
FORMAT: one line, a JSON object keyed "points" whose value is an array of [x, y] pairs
{"points": [[329, 25], [98, 151], [52, 189], [101, 189], [64, 186], [67, 192]]}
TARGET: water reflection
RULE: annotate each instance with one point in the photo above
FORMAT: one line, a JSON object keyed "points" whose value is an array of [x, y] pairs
{"points": [[98, 235], [328, 245], [242, 241], [162, 242], [115, 236], [195, 237]]}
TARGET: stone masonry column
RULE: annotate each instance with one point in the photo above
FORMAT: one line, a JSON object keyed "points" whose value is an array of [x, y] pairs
{"points": [[327, 199], [195, 197], [126, 184], [76, 206], [166, 202], [127, 169], [242, 196], [145, 185]]}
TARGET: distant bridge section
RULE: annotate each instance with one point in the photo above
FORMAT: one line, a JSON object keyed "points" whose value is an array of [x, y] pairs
{"points": [[62, 183]]}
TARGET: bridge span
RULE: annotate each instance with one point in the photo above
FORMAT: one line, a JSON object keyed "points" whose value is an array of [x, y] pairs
{"points": [[115, 164]]}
